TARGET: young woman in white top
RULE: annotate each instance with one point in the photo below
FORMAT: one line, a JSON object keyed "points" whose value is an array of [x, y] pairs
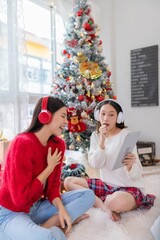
{"points": [[118, 190]]}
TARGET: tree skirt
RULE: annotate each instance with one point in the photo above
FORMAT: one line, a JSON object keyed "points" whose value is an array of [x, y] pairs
{"points": [[134, 225]]}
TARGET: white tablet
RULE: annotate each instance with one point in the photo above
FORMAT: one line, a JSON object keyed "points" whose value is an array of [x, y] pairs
{"points": [[127, 147]]}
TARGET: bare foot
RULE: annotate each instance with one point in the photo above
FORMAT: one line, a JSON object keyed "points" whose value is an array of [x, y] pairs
{"points": [[79, 219], [115, 216], [84, 216]]}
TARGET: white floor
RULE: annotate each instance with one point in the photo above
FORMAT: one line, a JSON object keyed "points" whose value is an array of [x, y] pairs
{"points": [[151, 170], [134, 225]]}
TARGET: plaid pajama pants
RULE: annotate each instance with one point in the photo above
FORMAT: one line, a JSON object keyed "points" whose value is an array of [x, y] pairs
{"points": [[102, 190]]}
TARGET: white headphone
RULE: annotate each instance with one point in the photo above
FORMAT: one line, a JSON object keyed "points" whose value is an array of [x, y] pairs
{"points": [[120, 117]]}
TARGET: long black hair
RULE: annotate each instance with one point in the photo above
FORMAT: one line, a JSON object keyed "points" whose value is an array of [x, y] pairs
{"points": [[53, 105]]}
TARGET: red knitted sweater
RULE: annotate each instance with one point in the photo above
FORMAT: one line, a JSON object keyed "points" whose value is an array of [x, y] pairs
{"points": [[25, 160]]}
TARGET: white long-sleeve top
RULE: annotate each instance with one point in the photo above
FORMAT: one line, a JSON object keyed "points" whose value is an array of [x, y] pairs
{"points": [[104, 159]]}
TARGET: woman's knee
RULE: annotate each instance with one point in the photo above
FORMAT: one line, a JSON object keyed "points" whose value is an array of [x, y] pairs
{"points": [[120, 202], [113, 203], [72, 183], [68, 182]]}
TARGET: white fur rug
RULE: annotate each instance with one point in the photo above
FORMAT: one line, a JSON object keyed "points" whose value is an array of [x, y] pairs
{"points": [[134, 225]]}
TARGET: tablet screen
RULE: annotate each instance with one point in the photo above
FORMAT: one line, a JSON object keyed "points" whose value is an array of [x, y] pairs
{"points": [[128, 146]]}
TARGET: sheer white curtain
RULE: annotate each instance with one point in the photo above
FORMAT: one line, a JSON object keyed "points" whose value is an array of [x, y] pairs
{"points": [[13, 82]]}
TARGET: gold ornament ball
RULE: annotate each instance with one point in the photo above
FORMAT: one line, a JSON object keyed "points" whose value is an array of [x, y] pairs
{"points": [[79, 54], [93, 97]]}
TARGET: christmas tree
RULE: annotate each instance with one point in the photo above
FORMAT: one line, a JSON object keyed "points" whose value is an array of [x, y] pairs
{"points": [[83, 79]]}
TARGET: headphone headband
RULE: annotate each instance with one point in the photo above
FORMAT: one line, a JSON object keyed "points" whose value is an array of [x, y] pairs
{"points": [[44, 103]]}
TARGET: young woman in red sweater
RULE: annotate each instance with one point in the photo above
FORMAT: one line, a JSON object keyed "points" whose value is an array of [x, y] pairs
{"points": [[31, 206]]}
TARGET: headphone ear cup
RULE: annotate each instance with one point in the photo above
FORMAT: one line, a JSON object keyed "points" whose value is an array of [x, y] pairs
{"points": [[120, 118], [45, 116], [96, 115]]}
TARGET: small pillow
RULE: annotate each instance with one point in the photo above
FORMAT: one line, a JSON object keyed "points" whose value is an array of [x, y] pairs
{"points": [[74, 169]]}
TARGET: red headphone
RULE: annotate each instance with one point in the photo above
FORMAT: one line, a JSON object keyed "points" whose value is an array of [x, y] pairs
{"points": [[44, 116]]}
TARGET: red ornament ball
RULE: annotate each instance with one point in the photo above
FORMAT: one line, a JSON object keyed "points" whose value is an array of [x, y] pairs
{"points": [[87, 27], [67, 79], [81, 98], [88, 11], [64, 52], [115, 97], [100, 98], [79, 13], [109, 73]]}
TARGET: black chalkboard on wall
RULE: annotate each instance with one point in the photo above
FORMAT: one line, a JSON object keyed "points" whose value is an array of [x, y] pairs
{"points": [[144, 76]]}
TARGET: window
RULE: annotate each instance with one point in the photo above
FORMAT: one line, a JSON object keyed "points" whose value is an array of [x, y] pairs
{"points": [[44, 41], [31, 39], [4, 73], [38, 66]]}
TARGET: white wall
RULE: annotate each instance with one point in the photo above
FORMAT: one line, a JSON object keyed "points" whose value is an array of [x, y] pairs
{"points": [[126, 25]]}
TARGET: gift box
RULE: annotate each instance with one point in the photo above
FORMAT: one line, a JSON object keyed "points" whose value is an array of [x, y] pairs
{"points": [[146, 152]]}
